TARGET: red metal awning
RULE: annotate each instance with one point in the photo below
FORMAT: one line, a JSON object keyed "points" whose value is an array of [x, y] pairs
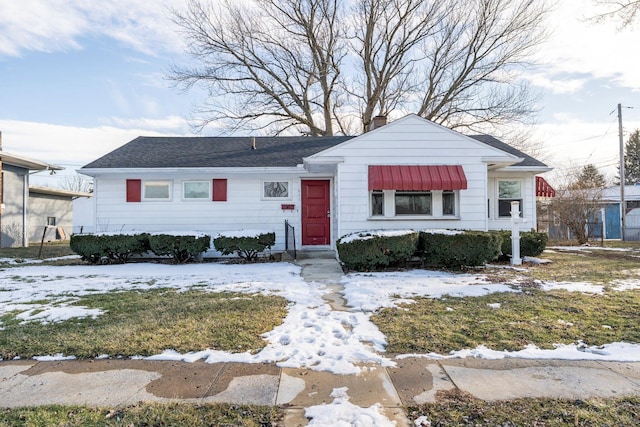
{"points": [[417, 177], [543, 189]]}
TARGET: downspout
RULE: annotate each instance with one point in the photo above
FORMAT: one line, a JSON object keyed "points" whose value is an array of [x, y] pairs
{"points": [[25, 200]]}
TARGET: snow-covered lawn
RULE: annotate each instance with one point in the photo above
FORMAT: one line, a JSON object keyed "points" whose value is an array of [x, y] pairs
{"points": [[312, 335]]}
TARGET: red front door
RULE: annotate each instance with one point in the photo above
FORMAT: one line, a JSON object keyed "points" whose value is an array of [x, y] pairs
{"points": [[316, 220]]}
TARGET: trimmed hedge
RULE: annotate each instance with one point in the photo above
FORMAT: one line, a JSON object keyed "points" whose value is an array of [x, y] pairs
{"points": [[371, 250], [465, 249], [246, 247], [532, 243], [182, 248], [109, 248]]}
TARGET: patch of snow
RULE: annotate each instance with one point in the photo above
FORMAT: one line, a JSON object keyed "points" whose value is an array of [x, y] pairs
{"points": [[537, 261], [342, 413], [584, 287], [615, 352], [590, 248], [49, 314], [625, 285], [422, 421], [443, 231], [196, 234], [494, 305], [244, 233], [372, 291], [53, 358], [366, 235]]}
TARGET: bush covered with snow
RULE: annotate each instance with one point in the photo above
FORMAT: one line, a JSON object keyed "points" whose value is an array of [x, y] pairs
{"points": [[246, 245], [181, 247], [375, 250], [109, 248], [457, 250], [532, 243]]}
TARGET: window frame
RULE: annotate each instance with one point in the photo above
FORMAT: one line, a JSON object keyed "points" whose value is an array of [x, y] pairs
{"points": [[267, 197], [373, 205], [207, 198], [405, 193], [389, 212], [168, 183], [501, 200], [454, 206]]}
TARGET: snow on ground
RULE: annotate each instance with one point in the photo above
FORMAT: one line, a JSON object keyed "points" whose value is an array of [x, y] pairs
{"points": [[371, 291], [312, 335], [587, 248], [615, 352], [342, 413]]}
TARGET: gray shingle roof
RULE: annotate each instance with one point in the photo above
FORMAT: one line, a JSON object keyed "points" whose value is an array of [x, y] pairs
{"points": [[179, 152], [280, 151], [496, 143]]}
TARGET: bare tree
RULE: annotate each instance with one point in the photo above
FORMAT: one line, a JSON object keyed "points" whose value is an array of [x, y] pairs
{"points": [[624, 11], [277, 60], [77, 183], [312, 64], [576, 205]]}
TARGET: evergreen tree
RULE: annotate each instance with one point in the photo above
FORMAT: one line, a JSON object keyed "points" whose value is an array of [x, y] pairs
{"points": [[589, 177], [632, 159]]}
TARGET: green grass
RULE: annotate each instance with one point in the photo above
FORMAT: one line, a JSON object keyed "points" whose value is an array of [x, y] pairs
{"points": [[49, 250], [528, 317], [454, 408], [154, 414], [147, 322]]}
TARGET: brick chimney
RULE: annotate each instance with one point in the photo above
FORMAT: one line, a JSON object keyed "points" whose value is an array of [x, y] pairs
{"points": [[378, 121]]}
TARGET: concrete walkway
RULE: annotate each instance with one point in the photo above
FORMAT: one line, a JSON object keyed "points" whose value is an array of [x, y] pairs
{"points": [[412, 381]]}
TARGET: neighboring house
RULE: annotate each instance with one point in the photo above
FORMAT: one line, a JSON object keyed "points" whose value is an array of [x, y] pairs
{"points": [[51, 213], [607, 222], [14, 196], [411, 173], [612, 213]]}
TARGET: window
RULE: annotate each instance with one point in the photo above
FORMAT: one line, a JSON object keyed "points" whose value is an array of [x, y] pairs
{"points": [[196, 190], [275, 190], [508, 191], [157, 190], [377, 203], [413, 203], [448, 203], [51, 221]]}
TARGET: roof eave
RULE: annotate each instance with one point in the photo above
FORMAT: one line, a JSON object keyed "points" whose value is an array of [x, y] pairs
{"points": [[28, 163], [210, 170]]}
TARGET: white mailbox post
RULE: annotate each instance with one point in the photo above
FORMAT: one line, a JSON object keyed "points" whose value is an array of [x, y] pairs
{"points": [[515, 233]]}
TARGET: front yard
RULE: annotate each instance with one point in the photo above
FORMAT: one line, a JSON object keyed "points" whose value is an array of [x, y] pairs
{"points": [[587, 297]]}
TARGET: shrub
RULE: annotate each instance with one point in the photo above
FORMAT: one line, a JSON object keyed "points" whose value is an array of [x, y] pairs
{"points": [[109, 248], [182, 248], [374, 250], [532, 243], [458, 249], [247, 247]]}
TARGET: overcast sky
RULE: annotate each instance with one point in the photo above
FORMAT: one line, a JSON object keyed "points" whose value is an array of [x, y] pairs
{"points": [[78, 79]]}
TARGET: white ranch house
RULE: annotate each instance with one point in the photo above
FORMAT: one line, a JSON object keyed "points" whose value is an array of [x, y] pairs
{"points": [[408, 174]]}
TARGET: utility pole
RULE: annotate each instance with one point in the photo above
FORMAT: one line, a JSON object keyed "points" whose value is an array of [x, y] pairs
{"points": [[623, 203]]}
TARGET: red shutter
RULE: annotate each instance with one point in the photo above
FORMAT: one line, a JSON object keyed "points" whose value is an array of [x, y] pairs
{"points": [[219, 190], [134, 190]]}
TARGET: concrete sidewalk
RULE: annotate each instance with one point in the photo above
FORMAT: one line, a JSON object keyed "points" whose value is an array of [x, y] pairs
{"points": [[413, 381]]}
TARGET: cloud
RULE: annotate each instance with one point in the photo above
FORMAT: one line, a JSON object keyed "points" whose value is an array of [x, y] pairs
{"points": [[60, 25], [69, 145], [578, 45], [575, 143], [557, 85]]}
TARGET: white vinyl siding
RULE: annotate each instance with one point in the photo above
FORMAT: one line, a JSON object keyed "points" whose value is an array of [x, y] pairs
{"points": [[245, 209]]}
